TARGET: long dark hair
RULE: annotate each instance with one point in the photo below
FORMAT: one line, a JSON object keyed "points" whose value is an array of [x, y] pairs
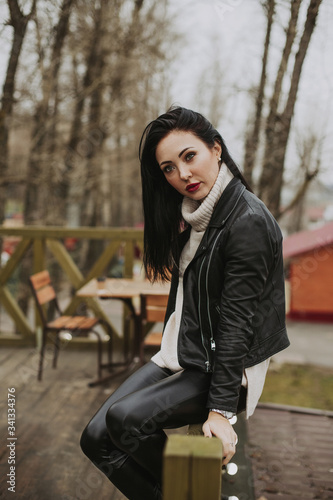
{"points": [[161, 202]]}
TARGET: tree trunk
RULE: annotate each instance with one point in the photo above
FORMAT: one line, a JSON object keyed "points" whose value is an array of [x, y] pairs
{"points": [[117, 86], [252, 139], [73, 157], [272, 119], [278, 126], [19, 23], [91, 213]]}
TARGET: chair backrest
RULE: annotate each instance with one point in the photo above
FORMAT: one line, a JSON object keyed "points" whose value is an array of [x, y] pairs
{"points": [[153, 307], [43, 291]]}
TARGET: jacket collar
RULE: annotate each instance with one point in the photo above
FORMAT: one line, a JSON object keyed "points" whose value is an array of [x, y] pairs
{"points": [[224, 208], [227, 203]]}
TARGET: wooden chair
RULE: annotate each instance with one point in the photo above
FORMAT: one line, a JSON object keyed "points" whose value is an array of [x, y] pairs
{"points": [[152, 310], [44, 293]]}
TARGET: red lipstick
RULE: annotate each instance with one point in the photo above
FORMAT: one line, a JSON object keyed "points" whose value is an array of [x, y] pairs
{"points": [[191, 188]]}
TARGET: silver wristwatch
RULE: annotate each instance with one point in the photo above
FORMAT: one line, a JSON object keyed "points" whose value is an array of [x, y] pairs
{"points": [[224, 413]]}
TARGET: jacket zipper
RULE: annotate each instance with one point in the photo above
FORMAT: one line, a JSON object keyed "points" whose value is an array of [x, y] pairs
{"points": [[207, 363], [212, 340]]}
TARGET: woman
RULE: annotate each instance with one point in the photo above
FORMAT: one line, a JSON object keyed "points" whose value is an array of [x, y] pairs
{"points": [[225, 315]]}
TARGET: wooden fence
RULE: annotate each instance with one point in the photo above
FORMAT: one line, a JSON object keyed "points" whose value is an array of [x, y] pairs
{"points": [[41, 239]]}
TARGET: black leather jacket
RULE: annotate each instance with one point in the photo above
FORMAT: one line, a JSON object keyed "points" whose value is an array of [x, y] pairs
{"points": [[234, 306]]}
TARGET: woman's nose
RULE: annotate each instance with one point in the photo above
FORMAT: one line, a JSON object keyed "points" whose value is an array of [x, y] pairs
{"points": [[184, 173]]}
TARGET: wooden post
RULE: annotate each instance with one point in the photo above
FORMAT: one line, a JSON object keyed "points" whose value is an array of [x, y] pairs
{"points": [[128, 255], [192, 468]]}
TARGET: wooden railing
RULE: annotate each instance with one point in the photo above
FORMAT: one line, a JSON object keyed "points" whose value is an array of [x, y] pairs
{"points": [[41, 239], [192, 468]]}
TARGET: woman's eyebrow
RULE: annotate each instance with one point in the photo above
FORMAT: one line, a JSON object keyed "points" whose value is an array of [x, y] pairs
{"points": [[180, 154], [189, 147]]}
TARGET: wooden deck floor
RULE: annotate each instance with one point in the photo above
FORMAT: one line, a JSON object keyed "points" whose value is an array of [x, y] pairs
{"points": [[50, 416]]}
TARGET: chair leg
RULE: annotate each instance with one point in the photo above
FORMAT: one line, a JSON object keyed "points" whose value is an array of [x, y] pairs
{"points": [[110, 342], [56, 350], [110, 345], [126, 338], [142, 353], [41, 355], [99, 354], [143, 332]]}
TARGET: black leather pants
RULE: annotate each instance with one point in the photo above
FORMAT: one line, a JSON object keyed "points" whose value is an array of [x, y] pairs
{"points": [[125, 438]]}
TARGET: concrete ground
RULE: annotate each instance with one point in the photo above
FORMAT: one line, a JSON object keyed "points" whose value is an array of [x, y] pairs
{"points": [[310, 343]]}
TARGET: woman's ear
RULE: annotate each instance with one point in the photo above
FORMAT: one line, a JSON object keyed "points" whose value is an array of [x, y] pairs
{"points": [[218, 149]]}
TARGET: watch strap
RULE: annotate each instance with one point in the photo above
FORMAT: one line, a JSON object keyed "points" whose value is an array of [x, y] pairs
{"points": [[224, 413]]}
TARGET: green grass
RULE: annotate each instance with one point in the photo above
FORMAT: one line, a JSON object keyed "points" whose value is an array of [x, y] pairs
{"points": [[299, 385]]}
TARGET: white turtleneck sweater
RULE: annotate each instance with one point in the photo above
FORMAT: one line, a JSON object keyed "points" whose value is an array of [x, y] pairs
{"points": [[198, 216]]}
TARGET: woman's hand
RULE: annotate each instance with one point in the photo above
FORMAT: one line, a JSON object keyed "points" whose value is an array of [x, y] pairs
{"points": [[219, 426]]}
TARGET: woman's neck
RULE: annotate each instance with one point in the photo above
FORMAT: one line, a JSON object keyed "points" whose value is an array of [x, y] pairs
{"points": [[198, 213]]}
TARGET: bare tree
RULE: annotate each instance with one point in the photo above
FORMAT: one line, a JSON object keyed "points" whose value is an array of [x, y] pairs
{"points": [[39, 172], [309, 149], [210, 93], [43, 134], [91, 84], [253, 133], [279, 122], [125, 55], [92, 200], [19, 22], [122, 57], [88, 115]]}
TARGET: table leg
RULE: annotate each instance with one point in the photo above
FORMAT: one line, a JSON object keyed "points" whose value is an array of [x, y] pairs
{"points": [[137, 330]]}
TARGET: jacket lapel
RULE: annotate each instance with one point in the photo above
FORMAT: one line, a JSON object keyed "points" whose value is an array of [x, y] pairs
{"points": [[224, 208]]}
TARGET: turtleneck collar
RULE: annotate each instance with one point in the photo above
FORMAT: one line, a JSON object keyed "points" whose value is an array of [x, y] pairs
{"points": [[197, 213]]}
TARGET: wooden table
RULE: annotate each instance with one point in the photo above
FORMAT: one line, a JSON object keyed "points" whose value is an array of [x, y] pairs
{"points": [[125, 290], [121, 288]]}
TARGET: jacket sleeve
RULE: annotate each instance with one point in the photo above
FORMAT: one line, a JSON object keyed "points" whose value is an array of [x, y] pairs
{"points": [[249, 256]]}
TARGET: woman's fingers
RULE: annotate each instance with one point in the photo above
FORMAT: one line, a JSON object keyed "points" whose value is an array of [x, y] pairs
{"points": [[221, 428], [228, 453], [229, 448], [206, 430]]}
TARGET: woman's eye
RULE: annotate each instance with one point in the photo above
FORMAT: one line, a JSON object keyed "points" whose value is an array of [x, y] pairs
{"points": [[189, 156], [168, 169]]}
